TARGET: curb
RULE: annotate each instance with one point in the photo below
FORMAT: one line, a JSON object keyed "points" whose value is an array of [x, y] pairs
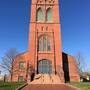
{"points": [[22, 86]]}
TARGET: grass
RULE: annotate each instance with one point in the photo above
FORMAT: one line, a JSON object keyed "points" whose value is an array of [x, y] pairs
{"points": [[14, 85], [10, 85], [82, 85]]}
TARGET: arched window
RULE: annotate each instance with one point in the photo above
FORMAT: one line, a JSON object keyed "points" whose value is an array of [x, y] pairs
{"points": [[44, 43], [40, 15], [49, 15], [44, 66]]}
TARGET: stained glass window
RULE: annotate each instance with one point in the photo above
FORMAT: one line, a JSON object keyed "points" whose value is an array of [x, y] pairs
{"points": [[44, 43], [48, 45], [44, 66], [41, 44], [40, 15], [49, 15]]}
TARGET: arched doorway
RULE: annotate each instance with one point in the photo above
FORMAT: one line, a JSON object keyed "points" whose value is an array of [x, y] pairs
{"points": [[45, 67]]}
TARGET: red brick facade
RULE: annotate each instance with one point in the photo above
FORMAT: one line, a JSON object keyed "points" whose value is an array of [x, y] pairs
{"points": [[51, 53], [70, 68]]}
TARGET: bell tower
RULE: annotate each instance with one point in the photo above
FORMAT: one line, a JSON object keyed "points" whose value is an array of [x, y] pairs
{"points": [[44, 62], [45, 48]]}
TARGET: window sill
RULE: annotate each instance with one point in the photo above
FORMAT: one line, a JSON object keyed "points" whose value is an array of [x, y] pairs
{"points": [[44, 22], [44, 52]]}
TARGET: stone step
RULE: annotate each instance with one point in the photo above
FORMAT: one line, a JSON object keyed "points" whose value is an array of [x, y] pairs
{"points": [[46, 79], [56, 79]]}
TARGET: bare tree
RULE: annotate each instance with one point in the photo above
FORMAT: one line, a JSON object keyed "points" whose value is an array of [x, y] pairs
{"points": [[7, 61], [80, 63]]}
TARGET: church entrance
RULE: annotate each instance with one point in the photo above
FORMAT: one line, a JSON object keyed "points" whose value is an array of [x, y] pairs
{"points": [[44, 67]]}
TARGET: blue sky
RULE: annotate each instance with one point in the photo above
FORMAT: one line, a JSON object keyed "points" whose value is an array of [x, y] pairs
{"points": [[75, 26]]}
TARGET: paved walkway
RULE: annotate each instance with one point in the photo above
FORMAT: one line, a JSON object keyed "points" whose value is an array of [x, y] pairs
{"points": [[49, 87]]}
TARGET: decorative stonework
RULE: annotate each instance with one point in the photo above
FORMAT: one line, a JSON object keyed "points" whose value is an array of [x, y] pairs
{"points": [[45, 1]]}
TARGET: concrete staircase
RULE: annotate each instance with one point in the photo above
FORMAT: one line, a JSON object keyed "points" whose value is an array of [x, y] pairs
{"points": [[46, 79]]}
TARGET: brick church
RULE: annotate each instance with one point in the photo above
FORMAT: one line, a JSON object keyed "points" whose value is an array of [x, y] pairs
{"points": [[44, 55]]}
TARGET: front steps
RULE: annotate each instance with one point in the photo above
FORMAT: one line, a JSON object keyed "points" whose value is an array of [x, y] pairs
{"points": [[46, 79]]}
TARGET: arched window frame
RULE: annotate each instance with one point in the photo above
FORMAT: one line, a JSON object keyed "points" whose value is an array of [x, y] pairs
{"points": [[41, 17], [49, 15]]}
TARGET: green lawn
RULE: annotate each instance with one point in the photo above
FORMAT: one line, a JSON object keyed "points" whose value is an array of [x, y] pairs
{"points": [[10, 85], [82, 86]]}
